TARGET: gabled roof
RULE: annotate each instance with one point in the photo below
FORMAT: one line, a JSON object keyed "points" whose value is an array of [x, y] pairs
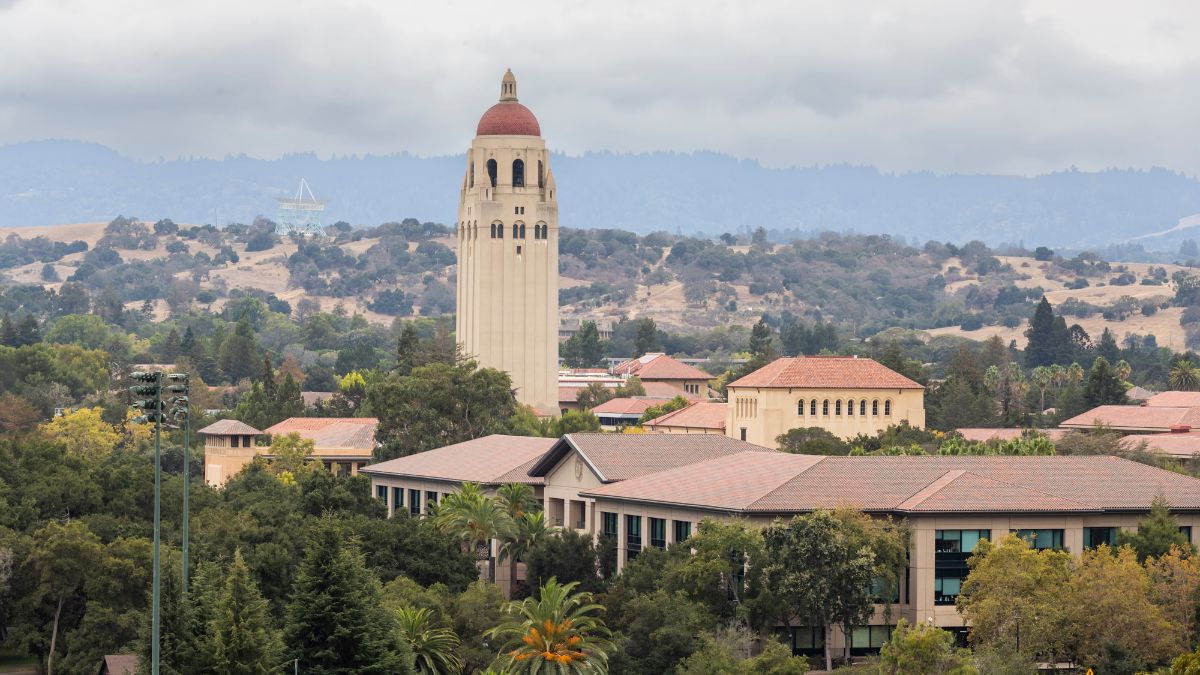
{"points": [[491, 460], [982, 434], [1176, 445], [659, 366], [616, 457], [699, 415], [635, 405], [229, 427], [1135, 418], [826, 372], [1173, 399], [119, 664], [331, 432], [781, 484], [667, 390]]}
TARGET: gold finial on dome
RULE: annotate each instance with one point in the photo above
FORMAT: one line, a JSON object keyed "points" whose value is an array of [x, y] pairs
{"points": [[508, 86]]}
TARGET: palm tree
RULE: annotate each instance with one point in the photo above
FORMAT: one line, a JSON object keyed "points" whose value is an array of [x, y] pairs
{"points": [[434, 649], [1123, 370], [529, 529], [1184, 376], [517, 498], [1041, 376], [1075, 373], [559, 631], [475, 519]]}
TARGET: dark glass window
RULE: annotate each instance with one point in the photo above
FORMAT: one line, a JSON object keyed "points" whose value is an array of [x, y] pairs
{"points": [[633, 537], [609, 524], [491, 167], [743, 433], [812, 407], [887, 407], [381, 492], [869, 639], [800, 407], [862, 407], [951, 548], [808, 641], [850, 407], [1094, 536], [1042, 539], [1186, 530], [875, 408], [414, 502], [430, 499], [837, 407], [683, 530], [658, 532], [541, 174], [825, 407], [397, 499], [518, 173]]}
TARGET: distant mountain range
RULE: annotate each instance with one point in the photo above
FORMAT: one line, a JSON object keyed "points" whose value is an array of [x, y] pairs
{"points": [[49, 182]]}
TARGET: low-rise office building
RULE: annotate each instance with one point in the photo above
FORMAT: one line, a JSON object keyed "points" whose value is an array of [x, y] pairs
{"points": [[950, 503], [845, 395], [341, 444], [660, 368], [701, 417]]}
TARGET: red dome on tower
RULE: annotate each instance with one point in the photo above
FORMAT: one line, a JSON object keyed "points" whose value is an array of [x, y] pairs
{"points": [[508, 118]]}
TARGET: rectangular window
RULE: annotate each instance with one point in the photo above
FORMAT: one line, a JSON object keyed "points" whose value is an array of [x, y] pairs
{"points": [[825, 407], [1042, 539], [743, 433], [879, 591], [1094, 536], [397, 499], [430, 499], [862, 407], [683, 530], [633, 537], [850, 408], [381, 493], [1187, 531], [658, 532], [808, 641], [414, 502], [951, 549], [608, 523], [837, 407], [869, 639], [812, 407]]}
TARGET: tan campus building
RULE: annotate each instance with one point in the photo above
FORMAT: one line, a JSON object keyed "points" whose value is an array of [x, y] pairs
{"points": [[507, 316], [844, 395], [342, 444]]}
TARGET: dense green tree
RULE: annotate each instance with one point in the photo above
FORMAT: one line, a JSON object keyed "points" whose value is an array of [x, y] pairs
{"points": [[923, 649], [437, 405], [566, 555], [407, 347], [28, 332], [239, 352], [61, 560], [811, 441], [656, 411], [656, 631], [1102, 386], [761, 340], [335, 622], [243, 637], [1156, 534], [1049, 339], [1107, 347], [646, 340], [584, 349]]}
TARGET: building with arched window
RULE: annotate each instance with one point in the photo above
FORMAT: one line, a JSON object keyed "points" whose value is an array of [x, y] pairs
{"points": [[507, 315], [856, 396]]}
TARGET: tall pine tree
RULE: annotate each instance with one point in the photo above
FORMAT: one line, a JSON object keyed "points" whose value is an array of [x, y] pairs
{"points": [[335, 622], [1103, 387], [243, 639], [1044, 346]]}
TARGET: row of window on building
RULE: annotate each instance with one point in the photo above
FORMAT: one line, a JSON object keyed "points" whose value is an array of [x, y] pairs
{"points": [[811, 408], [518, 173], [397, 501], [681, 529], [540, 230]]}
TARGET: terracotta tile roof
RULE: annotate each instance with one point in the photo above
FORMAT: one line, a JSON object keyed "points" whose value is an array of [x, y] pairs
{"points": [[1174, 399], [1140, 394], [227, 427], [356, 433], [627, 405], [1176, 445], [699, 415], [616, 457], [491, 460], [311, 398], [1135, 418], [980, 435], [658, 366], [798, 483], [826, 372], [120, 664]]}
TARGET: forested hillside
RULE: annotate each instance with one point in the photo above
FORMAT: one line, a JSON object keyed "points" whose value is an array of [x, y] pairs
{"points": [[48, 182]]}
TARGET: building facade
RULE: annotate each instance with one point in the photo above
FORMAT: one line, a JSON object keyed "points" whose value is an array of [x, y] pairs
{"points": [[507, 287], [844, 395], [343, 445]]}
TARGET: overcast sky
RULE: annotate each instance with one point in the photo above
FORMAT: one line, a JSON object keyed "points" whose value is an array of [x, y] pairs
{"points": [[1005, 86]]}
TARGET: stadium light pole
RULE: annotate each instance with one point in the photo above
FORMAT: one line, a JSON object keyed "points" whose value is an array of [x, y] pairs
{"points": [[151, 406], [180, 408]]}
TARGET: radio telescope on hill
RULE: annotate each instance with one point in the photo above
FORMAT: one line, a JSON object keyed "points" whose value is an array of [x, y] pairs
{"points": [[301, 214]]}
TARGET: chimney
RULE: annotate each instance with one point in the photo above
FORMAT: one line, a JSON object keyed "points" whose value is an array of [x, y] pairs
{"points": [[1180, 428]]}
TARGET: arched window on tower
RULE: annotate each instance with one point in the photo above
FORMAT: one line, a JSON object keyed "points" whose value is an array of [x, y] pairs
{"points": [[522, 230], [492, 171], [541, 174], [518, 173], [493, 230]]}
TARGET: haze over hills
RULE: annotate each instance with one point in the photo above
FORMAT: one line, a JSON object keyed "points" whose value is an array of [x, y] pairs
{"points": [[49, 182]]}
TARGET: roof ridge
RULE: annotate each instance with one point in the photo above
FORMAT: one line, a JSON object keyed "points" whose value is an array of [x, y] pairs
{"points": [[963, 472], [929, 490], [768, 493]]}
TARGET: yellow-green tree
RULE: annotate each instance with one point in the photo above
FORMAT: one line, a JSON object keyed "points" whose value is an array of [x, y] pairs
{"points": [[1175, 587], [291, 454], [923, 649], [83, 432]]}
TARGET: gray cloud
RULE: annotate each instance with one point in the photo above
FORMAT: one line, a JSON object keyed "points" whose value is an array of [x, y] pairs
{"points": [[944, 85]]}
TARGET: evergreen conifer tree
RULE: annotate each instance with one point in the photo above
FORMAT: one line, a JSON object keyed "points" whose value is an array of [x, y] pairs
{"points": [[243, 638], [237, 357], [288, 401], [1102, 386], [335, 622], [8, 332], [1043, 348], [646, 340], [407, 347], [1108, 348]]}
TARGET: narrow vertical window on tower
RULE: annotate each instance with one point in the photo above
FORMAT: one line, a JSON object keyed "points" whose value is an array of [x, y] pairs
{"points": [[493, 230], [518, 173], [522, 230], [492, 171], [516, 231], [471, 182], [541, 174]]}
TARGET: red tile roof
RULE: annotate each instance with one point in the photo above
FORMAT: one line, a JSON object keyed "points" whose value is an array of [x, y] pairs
{"points": [[508, 118], [356, 433], [699, 415], [491, 460], [667, 390], [980, 435], [627, 405], [1175, 399], [658, 366], [1175, 445], [229, 427], [1135, 418], [615, 457], [826, 372], [780, 483]]}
